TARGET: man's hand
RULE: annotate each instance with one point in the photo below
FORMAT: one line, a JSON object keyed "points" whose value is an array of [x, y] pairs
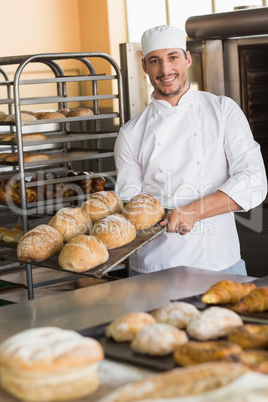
{"points": [[180, 220]]}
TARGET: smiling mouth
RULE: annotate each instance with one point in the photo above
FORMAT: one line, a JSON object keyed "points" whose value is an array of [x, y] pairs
{"points": [[167, 80]]}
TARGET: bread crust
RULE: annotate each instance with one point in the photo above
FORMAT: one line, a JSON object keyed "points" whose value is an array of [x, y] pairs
{"points": [[80, 111], [45, 364], [101, 204], [39, 244], [82, 253], [12, 236], [158, 339], [201, 352], [177, 314], [51, 115], [126, 327], [256, 301], [114, 231], [144, 211], [70, 222], [250, 336], [227, 291]]}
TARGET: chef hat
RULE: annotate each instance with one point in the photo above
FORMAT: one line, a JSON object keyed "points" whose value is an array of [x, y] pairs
{"points": [[163, 37]]}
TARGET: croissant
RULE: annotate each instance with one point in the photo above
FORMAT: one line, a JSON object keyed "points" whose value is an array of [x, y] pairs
{"points": [[256, 301], [227, 292]]}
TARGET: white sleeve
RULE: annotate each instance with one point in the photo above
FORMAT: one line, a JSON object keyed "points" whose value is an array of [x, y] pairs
{"points": [[129, 173], [247, 184]]}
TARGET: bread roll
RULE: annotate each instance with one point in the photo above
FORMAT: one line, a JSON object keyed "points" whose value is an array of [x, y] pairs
{"points": [[13, 156], [70, 222], [126, 327], [101, 204], [255, 301], [23, 116], [201, 352], [158, 339], [39, 244], [31, 137], [64, 111], [80, 111], [4, 155], [177, 314], [49, 364], [3, 230], [51, 115], [85, 184], [227, 292], [144, 211], [98, 184], [12, 236], [8, 137], [82, 253], [114, 231], [181, 382], [3, 115], [250, 336], [36, 158], [213, 323]]}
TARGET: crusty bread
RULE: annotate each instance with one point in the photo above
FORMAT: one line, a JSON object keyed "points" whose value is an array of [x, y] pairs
{"points": [[80, 111], [158, 339], [144, 211], [126, 327], [31, 137], [3, 230], [64, 111], [114, 231], [201, 352], [250, 336], [82, 253], [51, 115], [39, 244], [227, 291], [3, 115], [71, 222], [255, 301], [49, 364], [101, 204], [177, 314], [213, 323], [13, 156], [36, 158], [8, 137], [23, 116], [12, 236], [179, 382]]}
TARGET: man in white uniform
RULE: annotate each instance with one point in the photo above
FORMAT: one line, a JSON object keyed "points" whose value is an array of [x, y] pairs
{"points": [[195, 153]]}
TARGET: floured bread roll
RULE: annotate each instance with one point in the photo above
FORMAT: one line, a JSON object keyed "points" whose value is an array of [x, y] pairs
{"points": [[213, 323], [114, 231], [71, 222], [101, 204], [144, 211], [201, 352], [39, 244], [177, 314], [158, 339], [82, 253], [49, 364], [126, 327], [80, 111], [180, 382]]}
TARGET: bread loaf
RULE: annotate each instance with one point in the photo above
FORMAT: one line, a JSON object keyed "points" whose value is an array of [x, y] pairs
{"points": [[70, 222], [82, 253], [12, 236], [49, 364], [39, 244], [213, 323], [177, 314], [114, 231], [31, 137], [51, 115], [101, 204], [80, 111], [144, 211], [256, 301], [126, 327], [3, 230], [23, 116], [250, 336], [227, 291], [3, 115], [36, 158]]}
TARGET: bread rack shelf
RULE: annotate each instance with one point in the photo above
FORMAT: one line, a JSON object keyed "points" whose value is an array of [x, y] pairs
{"points": [[81, 144]]}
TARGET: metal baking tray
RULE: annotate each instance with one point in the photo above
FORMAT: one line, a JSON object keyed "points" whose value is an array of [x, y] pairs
{"points": [[116, 256]]}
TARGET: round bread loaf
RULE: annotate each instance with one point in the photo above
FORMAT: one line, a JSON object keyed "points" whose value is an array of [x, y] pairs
{"points": [[3, 115], [114, 231], [126, 327], [177, 314], [82, 253], [80, 111], [39, 244], [51, 115], [64, 111], [70, 222], [144, 211], [158, 339], [50, 364], [98, 184], [101, 204]]}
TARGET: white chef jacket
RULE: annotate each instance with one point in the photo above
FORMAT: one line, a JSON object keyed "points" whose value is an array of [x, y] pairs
{"points": [[180, 154]]}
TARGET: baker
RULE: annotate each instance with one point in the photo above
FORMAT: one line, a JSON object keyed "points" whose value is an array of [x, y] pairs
{"points": [[196, 154]]}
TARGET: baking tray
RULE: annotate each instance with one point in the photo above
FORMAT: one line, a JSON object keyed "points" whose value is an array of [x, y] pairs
{"points": [[116, 256]]}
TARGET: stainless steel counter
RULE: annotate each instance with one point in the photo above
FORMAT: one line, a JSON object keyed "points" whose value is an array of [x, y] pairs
{"points": [[87, 307]]}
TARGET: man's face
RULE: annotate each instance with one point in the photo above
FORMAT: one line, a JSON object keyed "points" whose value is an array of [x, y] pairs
{"points": [[167, 70]]}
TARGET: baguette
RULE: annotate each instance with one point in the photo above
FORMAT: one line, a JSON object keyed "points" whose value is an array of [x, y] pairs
{"points": [[256, 301], [227, 291], [144, 211], [39, 244]]}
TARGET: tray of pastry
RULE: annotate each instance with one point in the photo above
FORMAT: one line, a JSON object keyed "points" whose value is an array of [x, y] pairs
{"points": [[116, 256]]}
